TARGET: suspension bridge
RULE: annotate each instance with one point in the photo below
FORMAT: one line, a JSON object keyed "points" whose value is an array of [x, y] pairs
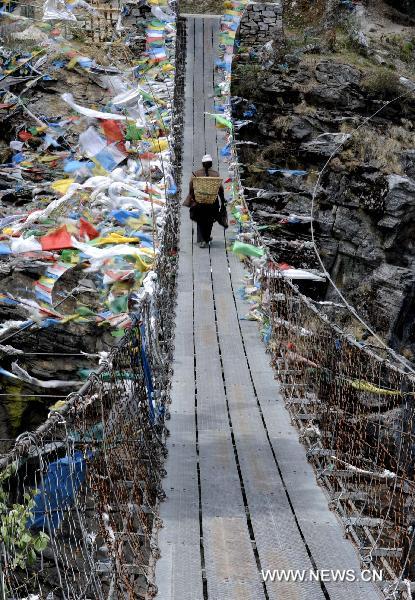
{"points": [[241, 496], [295, 459]]}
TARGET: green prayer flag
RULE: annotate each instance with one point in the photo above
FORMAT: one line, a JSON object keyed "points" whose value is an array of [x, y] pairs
{"points": [[84, 311], [247, 250], [221, 120], [118, 333], [133, 133], [119, 304]]}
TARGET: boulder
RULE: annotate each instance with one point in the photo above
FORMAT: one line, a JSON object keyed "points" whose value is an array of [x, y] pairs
{"points": [[325, 144], [400, 199], [333, 73], [336, 96], [300, 129]]}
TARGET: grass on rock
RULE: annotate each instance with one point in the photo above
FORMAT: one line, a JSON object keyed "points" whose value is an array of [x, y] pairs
{"points": [[214, 7]]}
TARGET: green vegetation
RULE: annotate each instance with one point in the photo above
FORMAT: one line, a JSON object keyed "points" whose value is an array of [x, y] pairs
{"points": [[18, 546], [407, 51], [214, 7], [246, 80], [382, 148], [299, 14], [383, 83]]}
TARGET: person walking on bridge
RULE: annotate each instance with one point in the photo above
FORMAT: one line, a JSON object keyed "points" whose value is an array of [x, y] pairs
{"points": [[203, 200]]}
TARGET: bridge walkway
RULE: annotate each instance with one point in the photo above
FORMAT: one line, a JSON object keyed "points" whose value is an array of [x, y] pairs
{"points": [[241, 495]]}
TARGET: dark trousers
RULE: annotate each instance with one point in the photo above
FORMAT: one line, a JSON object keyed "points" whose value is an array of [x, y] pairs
{"points": [[204, 231], [204, 215]]}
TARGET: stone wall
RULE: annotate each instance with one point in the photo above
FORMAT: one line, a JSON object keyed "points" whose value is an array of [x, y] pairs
{"points": [[261, 22]]}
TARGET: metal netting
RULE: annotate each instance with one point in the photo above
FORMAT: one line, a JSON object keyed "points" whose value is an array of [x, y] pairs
{"points": [[355, 413], [84, 487], [79, 495]]}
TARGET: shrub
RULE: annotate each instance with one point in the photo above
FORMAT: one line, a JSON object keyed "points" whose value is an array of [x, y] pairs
{"points": [[383, 83], [19, 545], [246, 79], [369, 145], [407, 51]]}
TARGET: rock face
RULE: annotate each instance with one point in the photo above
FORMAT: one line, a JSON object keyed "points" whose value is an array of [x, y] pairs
{"points": [[306, 120], [404, 6]]}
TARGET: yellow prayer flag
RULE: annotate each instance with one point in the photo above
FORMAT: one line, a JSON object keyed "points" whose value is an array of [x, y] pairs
{"points": [[62, 185]]}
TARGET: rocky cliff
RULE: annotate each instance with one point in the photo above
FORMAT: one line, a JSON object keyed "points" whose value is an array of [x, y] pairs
{"points": [[332, 103], [404, 6]]}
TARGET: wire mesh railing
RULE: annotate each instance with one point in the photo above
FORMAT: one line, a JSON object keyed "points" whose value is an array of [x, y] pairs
{"points": [[355, 413], [79, 495]]}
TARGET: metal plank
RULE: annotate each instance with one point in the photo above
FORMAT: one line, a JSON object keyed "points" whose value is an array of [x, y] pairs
{"points": [[189, 88], [231, 573], [179, 539], [229, 560], [277, 538], [215, 45], [319, 525], [209, 62]]}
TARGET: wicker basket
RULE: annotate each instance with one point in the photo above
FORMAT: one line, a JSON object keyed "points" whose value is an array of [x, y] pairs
{"points": [[206, 189]]}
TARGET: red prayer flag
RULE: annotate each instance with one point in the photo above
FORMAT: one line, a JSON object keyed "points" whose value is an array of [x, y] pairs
{"points": [[58, 240], [112, 130], [283, 266], [25, 135], [87, 229]]}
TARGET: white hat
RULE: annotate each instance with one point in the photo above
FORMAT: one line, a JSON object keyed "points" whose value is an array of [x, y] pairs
{"points": [[207, 158]]}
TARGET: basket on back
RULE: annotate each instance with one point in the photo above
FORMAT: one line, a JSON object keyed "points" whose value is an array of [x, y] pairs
{"points": [[206, 189]]}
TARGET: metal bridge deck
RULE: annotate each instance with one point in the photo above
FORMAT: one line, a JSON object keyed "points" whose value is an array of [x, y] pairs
{"points": [[241, 495]]}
